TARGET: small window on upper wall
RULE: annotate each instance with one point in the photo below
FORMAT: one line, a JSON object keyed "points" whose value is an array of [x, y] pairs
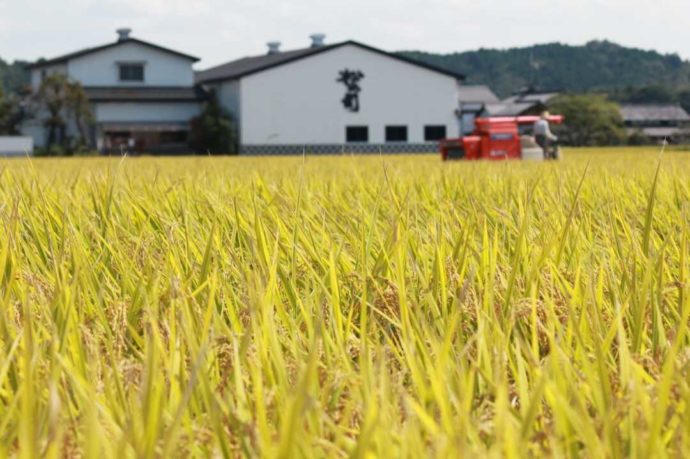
{"points": [[357, 134], [396, 133], [131, 72], [434, 133]]}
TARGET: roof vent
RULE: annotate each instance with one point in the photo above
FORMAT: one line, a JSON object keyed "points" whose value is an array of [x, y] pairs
{"points": [[123, 34], [317, 39], [273, 47]]}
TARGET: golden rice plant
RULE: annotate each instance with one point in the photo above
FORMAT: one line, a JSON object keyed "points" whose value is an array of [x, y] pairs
{"points": [[346, 306]]}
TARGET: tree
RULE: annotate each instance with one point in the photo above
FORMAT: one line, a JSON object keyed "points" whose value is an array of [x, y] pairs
{"points": [[684, 99], [589, 120], [61, 101], [213, 131], [11, 114]]}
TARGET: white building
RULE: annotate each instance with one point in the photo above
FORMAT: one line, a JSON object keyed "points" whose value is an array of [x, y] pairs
{"points": [[142, 95], [336, 97]]}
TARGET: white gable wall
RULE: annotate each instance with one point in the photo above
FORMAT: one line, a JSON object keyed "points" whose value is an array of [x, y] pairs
{"points": [[301, 102], [38, 73], [160, 68]]}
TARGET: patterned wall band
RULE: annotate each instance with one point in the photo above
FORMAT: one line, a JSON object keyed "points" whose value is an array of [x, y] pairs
{"points": [[344, 149]]}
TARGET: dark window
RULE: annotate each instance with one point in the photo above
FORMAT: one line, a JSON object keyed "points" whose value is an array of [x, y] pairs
{"points": [[433, 133], [396, 133], [357, 134], [131, 72], [173, 137]]}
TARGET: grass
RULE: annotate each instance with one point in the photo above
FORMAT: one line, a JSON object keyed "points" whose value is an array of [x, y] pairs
{"points": [[347, 306]]}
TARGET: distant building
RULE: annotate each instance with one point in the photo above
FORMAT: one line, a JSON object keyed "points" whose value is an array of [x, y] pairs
{"points": [[473, 101], [656, 121], [477, 101], [527, 102], [142, 95], [338, 97]]}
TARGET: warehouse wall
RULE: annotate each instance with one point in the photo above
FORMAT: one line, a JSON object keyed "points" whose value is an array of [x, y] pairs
{"points": [[301, 102]]}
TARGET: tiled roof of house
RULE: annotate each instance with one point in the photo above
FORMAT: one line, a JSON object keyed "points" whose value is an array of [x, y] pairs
{"points": [[476, 93], [254, 64], [653, 112], [85, 51], [518, 104]]}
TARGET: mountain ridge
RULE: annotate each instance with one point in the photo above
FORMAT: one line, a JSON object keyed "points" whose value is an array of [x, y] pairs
{"points": [[598, 65]]}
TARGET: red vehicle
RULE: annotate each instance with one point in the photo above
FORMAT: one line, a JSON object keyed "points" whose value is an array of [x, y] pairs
{"points": [[497, 138]]}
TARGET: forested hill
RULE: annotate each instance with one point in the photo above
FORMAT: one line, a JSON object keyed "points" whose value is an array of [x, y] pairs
{"points": [[596, 65]]}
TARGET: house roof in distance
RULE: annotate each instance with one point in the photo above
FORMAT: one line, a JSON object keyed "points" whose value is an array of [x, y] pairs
{"points": [[124, 39], [521, 102], [249, 65], [477, 93], [653, 112]]}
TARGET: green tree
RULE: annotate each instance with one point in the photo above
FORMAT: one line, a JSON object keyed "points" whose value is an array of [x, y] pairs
{"points": [[61, 101], [684, 99], [213, 131], [11, 114], [589, 120]]}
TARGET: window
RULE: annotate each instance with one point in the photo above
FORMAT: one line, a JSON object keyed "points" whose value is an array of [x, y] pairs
{"points": [[396, 133], [131, 72], [356, 134], [434, 133]]}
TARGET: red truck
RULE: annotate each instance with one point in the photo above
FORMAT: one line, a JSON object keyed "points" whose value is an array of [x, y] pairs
{"points": [[498, 138]]}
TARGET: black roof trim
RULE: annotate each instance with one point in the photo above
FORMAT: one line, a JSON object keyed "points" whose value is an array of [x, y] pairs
{"points": [[266, 62], [83, 52]]}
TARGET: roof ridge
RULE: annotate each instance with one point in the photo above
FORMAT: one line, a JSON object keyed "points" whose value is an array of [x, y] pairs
{"points": [[225, 71], [93, 49]]}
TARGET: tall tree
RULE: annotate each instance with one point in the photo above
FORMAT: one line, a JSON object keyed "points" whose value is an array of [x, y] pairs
{"points": [[213, 131], [589, 120], [60, 101], [11, 114]]}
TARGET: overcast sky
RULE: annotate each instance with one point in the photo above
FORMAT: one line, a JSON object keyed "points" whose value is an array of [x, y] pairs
{"points": [[218, 31]]}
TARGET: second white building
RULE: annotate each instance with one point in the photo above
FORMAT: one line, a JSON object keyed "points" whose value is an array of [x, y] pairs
{"points": [[338, 97]]}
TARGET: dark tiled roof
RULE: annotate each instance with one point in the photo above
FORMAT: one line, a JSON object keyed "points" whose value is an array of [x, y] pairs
{"points": [[511, 108], [476, 93], [519, 104], [83, 52], [144, 94], [653, 112], [541, 97], [254, 64]]}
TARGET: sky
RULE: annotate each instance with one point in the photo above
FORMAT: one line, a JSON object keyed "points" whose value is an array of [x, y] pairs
{"points": [[218, 31]]}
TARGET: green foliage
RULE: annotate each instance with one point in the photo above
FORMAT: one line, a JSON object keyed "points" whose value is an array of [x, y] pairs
{"points": [[589, 120], [646, 94], [59, 102], [14, 77], [683, 98], [213, 131], [11, 114], [594, 66]]}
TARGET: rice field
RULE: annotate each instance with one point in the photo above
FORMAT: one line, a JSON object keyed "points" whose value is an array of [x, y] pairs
{"points": [[391, 306]]}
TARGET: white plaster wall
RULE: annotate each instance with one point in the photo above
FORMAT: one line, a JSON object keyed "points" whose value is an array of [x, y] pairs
{"points": [[16, 145], [37, 74], [35, 130], [160, 68], [145, 111], [300, 102]]}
